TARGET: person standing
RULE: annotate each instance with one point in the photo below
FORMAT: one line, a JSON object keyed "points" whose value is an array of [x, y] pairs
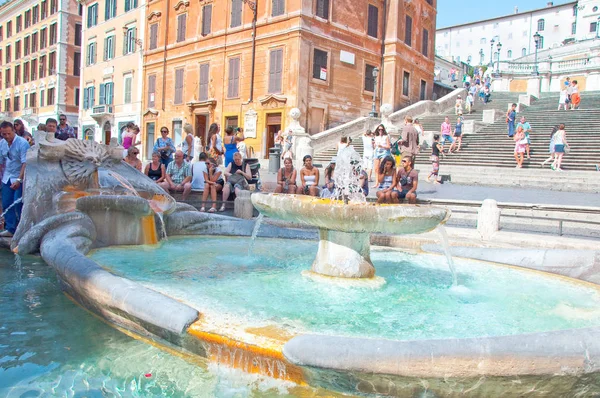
{"points": [[368, 152], [131, 132], [21, 132], [560, 145], [520, 141], [526, 130], [511, 116], [241, 146], [64, 130], [551, 147], [446, 132], [575, 97], [457, 135], [562, 99], [13, 155], [409, 146], [165, 146], [215, 143], [187, 146], [436, 150], [231, 140], [382, 146]]}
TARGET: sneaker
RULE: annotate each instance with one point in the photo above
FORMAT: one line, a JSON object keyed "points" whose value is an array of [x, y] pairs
{"points": [[6, 234]]}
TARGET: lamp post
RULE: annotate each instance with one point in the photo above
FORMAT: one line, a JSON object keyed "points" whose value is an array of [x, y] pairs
{"points": [[499, 47], [491, 64], [481, 54], [536, 39], [253, 7], [375, 74]]}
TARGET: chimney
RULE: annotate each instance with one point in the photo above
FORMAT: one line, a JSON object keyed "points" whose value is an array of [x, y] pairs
{"points": [[549, 4], [516, 10]]}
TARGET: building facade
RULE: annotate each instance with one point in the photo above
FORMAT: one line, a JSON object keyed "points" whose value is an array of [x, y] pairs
{"points": [[472, 42], [112, 66], [39, 60], [240, 63]]}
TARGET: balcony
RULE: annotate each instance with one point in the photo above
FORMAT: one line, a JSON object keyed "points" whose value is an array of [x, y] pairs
{"points": [[100, 112]]}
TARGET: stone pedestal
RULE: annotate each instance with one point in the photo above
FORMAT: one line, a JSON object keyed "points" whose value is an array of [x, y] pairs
{"points": [[534, 86], [468, 127], [302, 144], [525, 99], [242, 205], [489, 116], [386, 110], [344, 254], [488, 219]]}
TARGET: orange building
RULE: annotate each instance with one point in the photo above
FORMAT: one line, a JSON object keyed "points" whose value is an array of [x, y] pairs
{"points": [[241, 63]]}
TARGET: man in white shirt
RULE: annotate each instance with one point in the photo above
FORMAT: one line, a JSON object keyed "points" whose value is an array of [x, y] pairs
{"points": [[198, 170]]}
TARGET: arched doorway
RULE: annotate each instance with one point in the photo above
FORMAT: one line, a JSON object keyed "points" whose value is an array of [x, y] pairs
{"points": [[107, 131], [88, 134]]}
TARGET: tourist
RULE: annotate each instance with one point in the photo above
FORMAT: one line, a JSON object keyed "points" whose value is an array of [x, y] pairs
{"points": [[511, 116], [520, 146], [165, 146], [237, 177], [486, 92], [328, 190], [436, 150], [343, 144], [457, 135], [241, 145], [561, 146], [481, 95], [132, 158], [446, 132], [129, 136], [286, 178], [199, 170], [551, 147], [187, 146], [417, 125], [526, 130], [288, 145], [407, 180], [575, 97], [364, 182], [155, 170], [386, 179], [309, 178], [64, 131], [13, 156], [51, 125], [41, 127], [458, 105], [382, 147], [469, 103], [21, 132], [231, 141], [409, 146], [569, 90], [562, 99], [215, 144], [368, 151], [279, 139], [178, 176], [213, 184]]}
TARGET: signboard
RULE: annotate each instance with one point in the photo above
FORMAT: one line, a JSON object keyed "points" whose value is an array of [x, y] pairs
{"points": [[250, 119], [347, 57], [323, 75]]}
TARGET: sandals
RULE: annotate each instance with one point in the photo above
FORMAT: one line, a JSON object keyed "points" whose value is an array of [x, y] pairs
{"points": [[202, 209], [222, 209], [212, 210]]}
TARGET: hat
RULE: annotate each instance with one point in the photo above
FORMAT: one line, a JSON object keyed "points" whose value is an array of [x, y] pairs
{"points": [[333, 159]]}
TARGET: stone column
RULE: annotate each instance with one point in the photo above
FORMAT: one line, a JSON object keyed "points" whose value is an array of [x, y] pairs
{"points": [[302, 144], [242, 205], [488, 219]]}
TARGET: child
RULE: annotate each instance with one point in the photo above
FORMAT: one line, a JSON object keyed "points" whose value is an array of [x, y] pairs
{"points": [[436, 149]]}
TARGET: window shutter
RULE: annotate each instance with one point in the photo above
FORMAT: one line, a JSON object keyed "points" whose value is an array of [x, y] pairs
{"points": [[107, 10], [151, 94], [203, 95], [323, 8], [127, 98], [236, 13], [125, 44], [132, 41], [275, 71], [278, 8], [206, 19], [153, 36], [92, 96], [102, 97], [178, 86], [106, 52], [181, 25], [373, 21], [425, 49], [89, 17], [85, 99], [236, 81], [127, 5], [408, 31]]}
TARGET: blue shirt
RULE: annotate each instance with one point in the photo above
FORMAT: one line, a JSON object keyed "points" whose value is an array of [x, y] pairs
{"points": [[13, 158], [161, 143]]}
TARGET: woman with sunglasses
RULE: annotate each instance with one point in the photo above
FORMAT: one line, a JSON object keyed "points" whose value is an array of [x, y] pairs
{"points": [[164, 146], [382, 147], [155, 170], [132, 158]]}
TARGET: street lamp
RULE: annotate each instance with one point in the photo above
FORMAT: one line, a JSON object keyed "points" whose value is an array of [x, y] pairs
{"points": [[253, 7], [491, 64], [375, 74], [481, 59], [536, 39], [499, 47]]}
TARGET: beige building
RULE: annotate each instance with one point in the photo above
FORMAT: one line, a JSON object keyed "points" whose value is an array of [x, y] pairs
{"points": [[39, 60], [111, 67]]}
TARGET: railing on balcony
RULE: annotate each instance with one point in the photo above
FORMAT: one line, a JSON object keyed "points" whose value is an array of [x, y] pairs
{"points": [[546, 66], [101, 109], [30, 111]]}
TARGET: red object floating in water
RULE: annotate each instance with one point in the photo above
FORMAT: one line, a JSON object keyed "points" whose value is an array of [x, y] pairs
{"points": [[148, 375]]}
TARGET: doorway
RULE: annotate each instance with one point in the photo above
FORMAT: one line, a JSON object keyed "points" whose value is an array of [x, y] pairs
{"points": [[273, 126], [201, 128], [107, 133]]}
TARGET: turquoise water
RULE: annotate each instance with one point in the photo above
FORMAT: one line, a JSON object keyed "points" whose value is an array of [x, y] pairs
{"points": [[216, 276], [51, 347]]}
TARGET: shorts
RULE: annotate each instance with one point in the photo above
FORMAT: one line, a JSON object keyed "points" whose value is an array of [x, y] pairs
{"points": [[381, 153], [402, 194], [447, 138], [458, 134], [559, 148], [367, 162]]}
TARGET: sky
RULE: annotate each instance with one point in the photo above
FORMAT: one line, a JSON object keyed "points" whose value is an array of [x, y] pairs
{"points": [[452, 12]]}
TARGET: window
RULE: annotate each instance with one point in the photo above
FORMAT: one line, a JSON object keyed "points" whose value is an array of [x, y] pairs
{"points": [[277, 8], [26, 45], [129, 44], [204, 80], [7, 105], [91, 54], [35, 14], [373, 21], [26, 73], [574, 28], [509, 54], [523, 52], [27, 19], [275, 71], [405, 83], [127, 93], [425, 43], [80, 9], [110, 9], [18, 23], [575, 10], [76, 96], [17, 75], [7, 79], [153, 36], [77, 34], [53, 9], [42, 66], [34, 69], [106, 96], [150, 128], [181, 25], [369, 78], [44, 9], [109, 48], [1, 33], [34, 42], [17, 103], [540, 43], [50, 100], [323, 9], [89, 97], [26, 102], [233, 78], [593, 27], [17, 50], [320, 64], [76, 64], [130, 4], [151, 90], [43, 38], [408, 31], [8, 54], [540, 25], [32, 100], [92, 16], [42, 97], [8, 29], [236, 13], [53, 34], [423, 92], [206, 19], [178, 98]]}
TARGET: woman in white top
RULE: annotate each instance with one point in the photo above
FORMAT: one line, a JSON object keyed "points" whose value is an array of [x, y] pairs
{"points": [[417, 125], [241, 145], [560, 144], [197, 146], [199, 169], [383, 146], [368, 151], [187, 146]]}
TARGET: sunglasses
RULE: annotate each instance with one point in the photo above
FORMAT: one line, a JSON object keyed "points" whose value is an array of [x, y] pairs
{"points": [[136, 153], [62, 119], [164, 131]]}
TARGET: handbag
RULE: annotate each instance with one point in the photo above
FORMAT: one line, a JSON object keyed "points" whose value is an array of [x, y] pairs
{"points": [[395, 150], [567, 149], [163, 154]]}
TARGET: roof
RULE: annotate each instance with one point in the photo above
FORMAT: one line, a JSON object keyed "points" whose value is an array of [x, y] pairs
{"points": [[571, 4]]}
